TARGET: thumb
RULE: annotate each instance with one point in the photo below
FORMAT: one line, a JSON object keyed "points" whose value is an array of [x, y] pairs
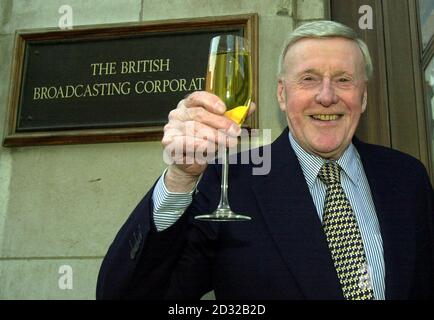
{"points": [[252, 108]]}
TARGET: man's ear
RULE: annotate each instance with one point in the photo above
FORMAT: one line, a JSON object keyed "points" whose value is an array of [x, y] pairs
{"points": [[281, 95], [365, 100]]}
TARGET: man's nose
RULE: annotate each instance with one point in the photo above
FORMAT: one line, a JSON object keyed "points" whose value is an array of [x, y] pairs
{"points": [[326, 96]]}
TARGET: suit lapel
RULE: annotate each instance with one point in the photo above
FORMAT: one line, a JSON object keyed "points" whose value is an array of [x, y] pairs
{"points": [[292, 220], [294, 225], [396, 223]]}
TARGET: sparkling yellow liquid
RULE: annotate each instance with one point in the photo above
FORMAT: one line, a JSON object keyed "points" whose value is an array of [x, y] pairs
{"points": [[237, 114], [229, 77]]}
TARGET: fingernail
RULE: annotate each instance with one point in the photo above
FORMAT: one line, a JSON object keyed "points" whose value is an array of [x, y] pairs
{"points": [[234, 130], [220, 106]]}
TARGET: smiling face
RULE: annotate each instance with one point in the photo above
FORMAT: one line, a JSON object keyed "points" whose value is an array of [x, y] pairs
{"points": [[323, 93]]}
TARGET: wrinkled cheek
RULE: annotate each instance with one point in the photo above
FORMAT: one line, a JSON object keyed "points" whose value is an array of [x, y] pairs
{"points": [[294, 115], [294, 123]]}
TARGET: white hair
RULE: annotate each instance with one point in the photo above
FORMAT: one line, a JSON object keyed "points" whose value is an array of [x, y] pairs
{"points": [[325, 29]]}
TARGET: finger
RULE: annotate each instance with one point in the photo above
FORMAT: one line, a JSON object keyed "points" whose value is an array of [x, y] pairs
{"points": [[231, 142], [198, 131], [182, 148], [192, 129], [252, 108], [173, 126], [199, 114], [205, 153], [202, 131], [206, 100], [172, 129]]}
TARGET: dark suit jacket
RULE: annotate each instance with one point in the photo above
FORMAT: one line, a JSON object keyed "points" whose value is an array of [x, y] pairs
{"points": [[282, 252]]}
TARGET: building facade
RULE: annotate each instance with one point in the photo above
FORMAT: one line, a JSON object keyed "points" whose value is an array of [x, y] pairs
{"points": [[61, 206]]}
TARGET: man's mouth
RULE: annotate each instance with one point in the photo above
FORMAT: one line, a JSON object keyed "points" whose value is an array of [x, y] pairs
{"points": [[326, 117]]}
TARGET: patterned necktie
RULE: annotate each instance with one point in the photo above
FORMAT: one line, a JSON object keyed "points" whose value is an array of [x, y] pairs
{"points": [[343, 237]]}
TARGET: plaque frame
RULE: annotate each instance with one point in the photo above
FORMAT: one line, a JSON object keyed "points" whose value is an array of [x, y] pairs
{"points": [[14, 138]]}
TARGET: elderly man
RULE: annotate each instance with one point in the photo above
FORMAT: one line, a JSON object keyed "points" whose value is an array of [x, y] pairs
{"points": [[335, 218]]}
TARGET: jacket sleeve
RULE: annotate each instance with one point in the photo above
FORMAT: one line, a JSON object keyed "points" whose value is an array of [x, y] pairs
{"points": [[143, 263], [424, 272], [430, 225]]}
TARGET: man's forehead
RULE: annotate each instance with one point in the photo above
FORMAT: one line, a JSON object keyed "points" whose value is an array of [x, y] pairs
{"points": [[334, 44], [336, 49]]}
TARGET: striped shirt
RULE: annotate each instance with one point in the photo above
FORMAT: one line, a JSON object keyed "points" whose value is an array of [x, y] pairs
{"points": [[169, 206]]}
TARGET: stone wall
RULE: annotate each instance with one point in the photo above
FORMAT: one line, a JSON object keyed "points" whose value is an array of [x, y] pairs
{"points": [[62, 205]]}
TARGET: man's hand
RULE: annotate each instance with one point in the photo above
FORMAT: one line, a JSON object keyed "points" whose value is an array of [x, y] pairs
{"points": [[196, 128]]}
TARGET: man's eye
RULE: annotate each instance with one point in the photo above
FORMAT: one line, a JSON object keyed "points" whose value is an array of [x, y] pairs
{"points": [[344, 80], [308, 79]]}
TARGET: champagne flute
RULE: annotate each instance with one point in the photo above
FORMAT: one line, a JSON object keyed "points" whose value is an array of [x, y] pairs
{"points": [[229, 76]]}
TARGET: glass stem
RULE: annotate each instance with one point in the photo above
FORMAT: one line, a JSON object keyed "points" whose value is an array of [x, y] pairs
{"points": [[224, 181]]}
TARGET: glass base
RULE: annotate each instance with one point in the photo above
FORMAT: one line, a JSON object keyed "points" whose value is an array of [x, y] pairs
{"points": [[223, 215]]}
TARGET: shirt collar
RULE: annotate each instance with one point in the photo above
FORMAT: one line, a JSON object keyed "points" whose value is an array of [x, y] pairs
{"points": [[311, 164]]}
